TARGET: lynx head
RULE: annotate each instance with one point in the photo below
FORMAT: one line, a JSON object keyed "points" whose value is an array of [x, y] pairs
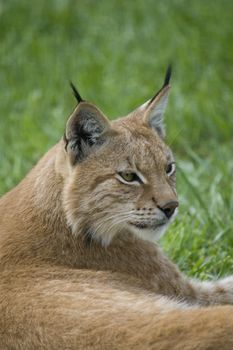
{"points": [[121, 174]]}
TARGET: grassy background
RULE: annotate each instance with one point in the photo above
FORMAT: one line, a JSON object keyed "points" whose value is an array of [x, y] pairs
{"points": [[117, 53]]}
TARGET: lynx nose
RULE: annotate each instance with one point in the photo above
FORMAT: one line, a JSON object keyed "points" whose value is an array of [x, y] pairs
{"points": [[169, 208]]}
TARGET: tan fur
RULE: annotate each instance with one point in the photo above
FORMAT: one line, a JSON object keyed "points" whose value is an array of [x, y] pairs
{"points": [[62, 289]]}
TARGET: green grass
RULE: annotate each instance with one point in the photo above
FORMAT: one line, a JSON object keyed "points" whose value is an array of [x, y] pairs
{"points": [[117, 53]]}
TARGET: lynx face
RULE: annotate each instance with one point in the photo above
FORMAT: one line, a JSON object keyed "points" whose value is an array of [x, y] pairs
{"points": [[122, 175]]}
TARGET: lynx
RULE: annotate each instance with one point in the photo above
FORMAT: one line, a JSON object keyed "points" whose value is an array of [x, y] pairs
{"points": [[80, 268]]}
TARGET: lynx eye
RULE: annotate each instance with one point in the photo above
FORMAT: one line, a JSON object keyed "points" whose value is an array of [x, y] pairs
{"points": [[170, 169], [128, 177]]}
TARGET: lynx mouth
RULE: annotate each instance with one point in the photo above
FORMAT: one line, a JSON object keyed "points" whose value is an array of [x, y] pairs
{"points": [[144, 225]]}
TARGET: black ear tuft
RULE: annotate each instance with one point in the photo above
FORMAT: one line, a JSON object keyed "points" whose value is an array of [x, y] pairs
{"points": [[168, 75], [166, 83], [76, 93]]}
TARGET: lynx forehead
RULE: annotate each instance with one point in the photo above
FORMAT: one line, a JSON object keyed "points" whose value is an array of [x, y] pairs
{"points": [[127, 172]]}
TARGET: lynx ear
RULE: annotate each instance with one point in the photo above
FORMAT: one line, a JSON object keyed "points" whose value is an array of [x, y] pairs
{"points": [[86, 129], [154, 109]]}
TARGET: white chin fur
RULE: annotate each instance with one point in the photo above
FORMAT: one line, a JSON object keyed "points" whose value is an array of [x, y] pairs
{"points": [[147, 234], [152, 235]]}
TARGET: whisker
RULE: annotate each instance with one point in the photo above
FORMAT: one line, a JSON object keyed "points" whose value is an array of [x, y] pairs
{"points": [[118, 219], [109, 219]]}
